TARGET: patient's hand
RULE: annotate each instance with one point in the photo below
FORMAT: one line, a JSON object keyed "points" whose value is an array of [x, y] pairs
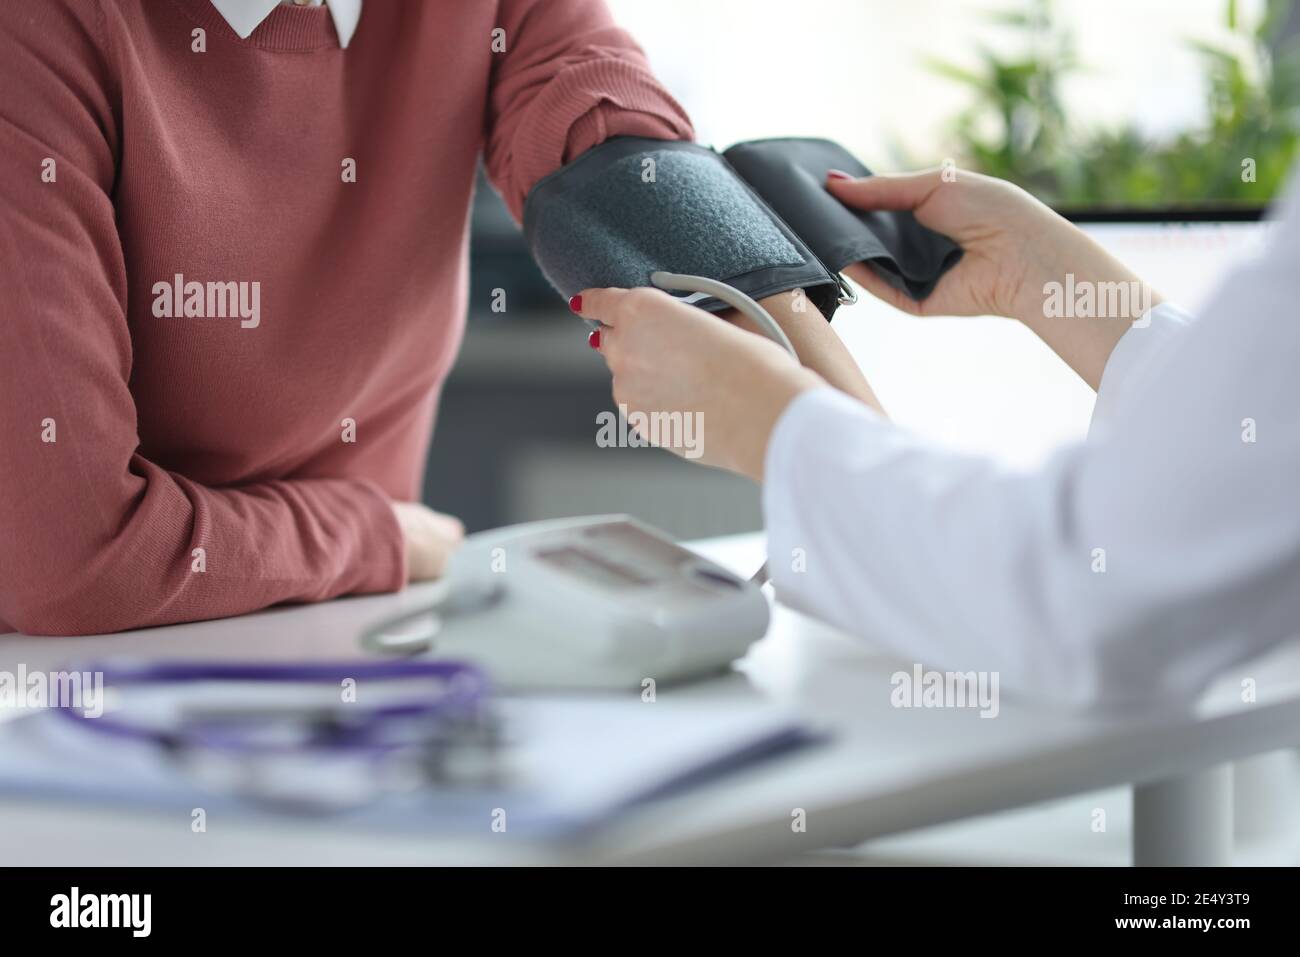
{"points": [[431, 537]]}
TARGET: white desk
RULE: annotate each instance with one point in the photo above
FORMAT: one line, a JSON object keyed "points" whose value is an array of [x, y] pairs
{"points": [[886, 771]]}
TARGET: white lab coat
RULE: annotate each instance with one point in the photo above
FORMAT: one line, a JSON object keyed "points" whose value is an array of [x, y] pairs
{"points": [[1126, 572]]}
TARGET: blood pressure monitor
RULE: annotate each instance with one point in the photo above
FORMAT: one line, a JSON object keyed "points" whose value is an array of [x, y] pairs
{"points": [[599, 602]]}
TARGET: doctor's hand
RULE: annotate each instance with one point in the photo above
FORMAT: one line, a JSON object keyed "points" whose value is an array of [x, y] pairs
{"points": [[430, 537], [666, 356], [1009, 239], [1013, 246]]}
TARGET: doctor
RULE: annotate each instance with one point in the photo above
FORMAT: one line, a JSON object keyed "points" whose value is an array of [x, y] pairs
{"points": [[1127, 571]]}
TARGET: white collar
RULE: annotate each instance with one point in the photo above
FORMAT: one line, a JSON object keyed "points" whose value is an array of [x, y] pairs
{"points": [[244, 16]]}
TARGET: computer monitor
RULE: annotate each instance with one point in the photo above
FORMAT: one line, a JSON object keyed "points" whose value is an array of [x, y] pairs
{"points": [[1182, 253], [989, 385]]}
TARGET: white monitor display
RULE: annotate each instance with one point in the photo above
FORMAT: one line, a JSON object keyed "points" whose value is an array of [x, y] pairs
{"points": [[988, 385]]}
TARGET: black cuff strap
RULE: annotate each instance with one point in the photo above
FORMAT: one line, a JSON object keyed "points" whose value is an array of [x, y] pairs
{"points": [[790, 174]]}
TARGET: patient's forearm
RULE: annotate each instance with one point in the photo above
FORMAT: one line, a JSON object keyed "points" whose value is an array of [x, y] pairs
{"points": [[819, 348]]}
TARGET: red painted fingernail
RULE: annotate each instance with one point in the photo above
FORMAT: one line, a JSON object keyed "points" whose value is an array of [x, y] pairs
{"points": [[837, 174], [593, 338], [575, 303]]}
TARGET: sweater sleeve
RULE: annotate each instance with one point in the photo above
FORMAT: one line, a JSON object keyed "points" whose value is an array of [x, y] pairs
{"points": [[94, 537], [568, 80]]}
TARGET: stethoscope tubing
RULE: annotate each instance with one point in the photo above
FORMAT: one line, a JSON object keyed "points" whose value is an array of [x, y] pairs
{"points": [[466, 689], [732, 297]]}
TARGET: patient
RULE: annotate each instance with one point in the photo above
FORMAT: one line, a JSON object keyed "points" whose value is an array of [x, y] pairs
{"points": [[169, 454], [233, 238], [173, 460]]}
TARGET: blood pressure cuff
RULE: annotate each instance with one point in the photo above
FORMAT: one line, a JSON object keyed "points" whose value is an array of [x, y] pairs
{"points": [[632, 206], [757, 217], [791, 175]]}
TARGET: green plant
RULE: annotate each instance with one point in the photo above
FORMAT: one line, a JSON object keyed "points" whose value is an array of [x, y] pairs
{"points": [[1241, 151]]}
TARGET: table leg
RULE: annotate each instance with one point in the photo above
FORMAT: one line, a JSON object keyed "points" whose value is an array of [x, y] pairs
{"points": [[1184, 821]]}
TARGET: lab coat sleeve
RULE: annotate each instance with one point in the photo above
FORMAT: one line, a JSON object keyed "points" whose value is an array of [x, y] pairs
{"points": [[1125, 573], [568, 80], [1140, 351]]}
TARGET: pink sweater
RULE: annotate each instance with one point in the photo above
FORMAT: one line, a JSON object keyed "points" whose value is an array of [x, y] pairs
{"points": [[170, 458]]}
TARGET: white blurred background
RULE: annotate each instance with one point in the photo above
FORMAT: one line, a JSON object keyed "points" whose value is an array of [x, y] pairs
{"points": [[855, 70]]}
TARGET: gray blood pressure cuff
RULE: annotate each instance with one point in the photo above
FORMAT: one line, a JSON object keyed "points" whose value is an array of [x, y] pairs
{"points": [[756, 217], [791, 175]]}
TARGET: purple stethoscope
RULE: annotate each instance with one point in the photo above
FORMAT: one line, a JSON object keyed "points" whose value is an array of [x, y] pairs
{"points": [[315, 756]]}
